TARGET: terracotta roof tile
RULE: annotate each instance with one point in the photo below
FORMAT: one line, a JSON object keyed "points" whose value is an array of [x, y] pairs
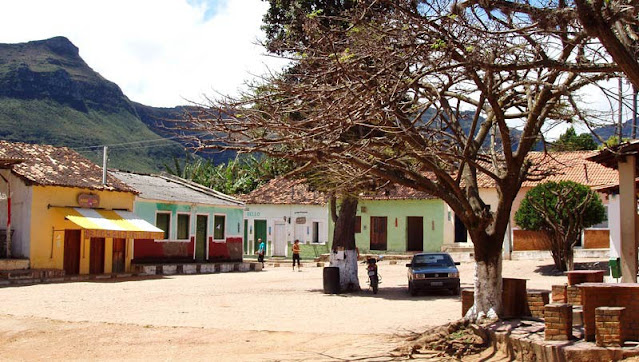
{"points": [[57, 166], [569, 166], [281, 191]]}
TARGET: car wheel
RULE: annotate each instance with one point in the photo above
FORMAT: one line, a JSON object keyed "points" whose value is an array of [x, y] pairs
{"points": [[455, 291], [411, 289]]}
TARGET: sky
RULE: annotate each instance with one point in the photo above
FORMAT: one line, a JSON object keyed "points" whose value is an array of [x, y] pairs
{"points": [[161, 53], [166, 53]]}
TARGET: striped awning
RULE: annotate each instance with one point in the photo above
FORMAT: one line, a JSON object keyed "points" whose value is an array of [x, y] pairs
{"points": [[111, 224]]}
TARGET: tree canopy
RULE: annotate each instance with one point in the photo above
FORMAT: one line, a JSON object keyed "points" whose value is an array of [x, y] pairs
{"points": [[570, 141], [389, 93], [561, 210]]}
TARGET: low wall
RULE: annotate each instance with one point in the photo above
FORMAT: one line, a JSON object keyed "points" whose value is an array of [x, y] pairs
{"points": [[595, 295], [14, 264]]}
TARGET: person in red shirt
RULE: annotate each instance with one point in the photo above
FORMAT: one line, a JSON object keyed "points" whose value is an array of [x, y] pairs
{"points": [[296, 255]]}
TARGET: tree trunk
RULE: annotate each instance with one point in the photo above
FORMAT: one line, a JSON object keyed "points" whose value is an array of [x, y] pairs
{"points": [[488, 290], [343, 252], [488, 278]]}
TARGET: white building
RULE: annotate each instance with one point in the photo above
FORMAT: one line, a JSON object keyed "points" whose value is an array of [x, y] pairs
{"points": [[281, 212]]}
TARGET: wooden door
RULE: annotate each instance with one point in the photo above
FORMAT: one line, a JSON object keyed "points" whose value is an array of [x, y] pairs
{"points": [[96, 256], [201, 228], [415, 233], [119, 253], [279, 240], [378, 232], [72, 252], [259, 232]]}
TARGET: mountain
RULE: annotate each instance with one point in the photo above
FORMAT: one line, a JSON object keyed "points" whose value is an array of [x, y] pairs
{"points": [[49, 95]]}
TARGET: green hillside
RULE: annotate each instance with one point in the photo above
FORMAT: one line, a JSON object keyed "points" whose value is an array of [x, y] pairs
{"points": [[49, 95]]}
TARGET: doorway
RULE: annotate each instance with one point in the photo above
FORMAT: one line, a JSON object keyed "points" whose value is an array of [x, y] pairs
{"points": [[259, 232], [71, 252], [119, 253], [378, 232], [415, 233], [96, 256], [279, 240], [201, 224], [461, 234]]}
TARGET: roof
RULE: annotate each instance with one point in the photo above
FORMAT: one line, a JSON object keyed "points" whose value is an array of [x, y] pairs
{"points": [[174, 189], [47, 165], [610, 157], [283, 191], [398, 192], [564, 166]]}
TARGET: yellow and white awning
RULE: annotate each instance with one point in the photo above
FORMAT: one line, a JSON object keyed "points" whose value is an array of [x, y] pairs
{"points": [[111, 224]]}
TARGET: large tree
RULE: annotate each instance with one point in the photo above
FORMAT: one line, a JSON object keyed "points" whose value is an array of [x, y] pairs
{"points": [[560, 210], [418, 93]]}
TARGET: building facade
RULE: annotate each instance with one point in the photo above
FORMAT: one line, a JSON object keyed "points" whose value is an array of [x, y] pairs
{"points": [[198, 223]]}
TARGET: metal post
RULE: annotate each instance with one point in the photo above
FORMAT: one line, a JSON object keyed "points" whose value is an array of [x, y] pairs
{"points": [[620, 115], [104, 165]]}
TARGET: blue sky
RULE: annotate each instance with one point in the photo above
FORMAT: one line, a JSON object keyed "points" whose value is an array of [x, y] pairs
{"points": [[160, 52]]}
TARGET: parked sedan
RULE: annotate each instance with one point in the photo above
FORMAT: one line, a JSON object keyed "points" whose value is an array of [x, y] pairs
{"points": [[433, 271]]}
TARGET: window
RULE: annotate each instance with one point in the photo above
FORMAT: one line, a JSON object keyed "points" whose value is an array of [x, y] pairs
{"points": [[219, 225], [358, 224], [316, 228], [163, 221], [183, 226]]}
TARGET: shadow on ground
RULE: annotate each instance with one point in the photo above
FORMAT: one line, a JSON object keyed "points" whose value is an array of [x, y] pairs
{"points": [[551, 270], [396, 293]]}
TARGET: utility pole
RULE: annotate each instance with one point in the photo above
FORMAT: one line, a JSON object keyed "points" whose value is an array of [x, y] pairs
{"points": [[634, 111], [104, 165], [620, 115]]}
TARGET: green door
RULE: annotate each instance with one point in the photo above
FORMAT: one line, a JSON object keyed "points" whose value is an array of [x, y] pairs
{"points": [[259, 228], [246, 249], [200, 237]]}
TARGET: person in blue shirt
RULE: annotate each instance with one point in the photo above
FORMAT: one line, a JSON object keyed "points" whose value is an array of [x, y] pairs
{"points": [[261, 250]]}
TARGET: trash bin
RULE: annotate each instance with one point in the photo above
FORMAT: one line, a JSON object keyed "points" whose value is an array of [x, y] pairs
{"points": [[615, 267], [331, 280]]}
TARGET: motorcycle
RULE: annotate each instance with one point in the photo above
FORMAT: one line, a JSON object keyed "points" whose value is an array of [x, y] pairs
{"points": [[374, 278]]}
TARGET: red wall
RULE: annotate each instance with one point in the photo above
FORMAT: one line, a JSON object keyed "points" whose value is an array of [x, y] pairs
{"points": [[151, 249]]}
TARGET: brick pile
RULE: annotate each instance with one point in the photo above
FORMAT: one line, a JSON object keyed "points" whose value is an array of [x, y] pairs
{"points": [[558, 322], [609, 326], [537, 299]]}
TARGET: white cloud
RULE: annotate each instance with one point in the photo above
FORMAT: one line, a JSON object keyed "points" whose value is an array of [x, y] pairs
{"points": [[160, 52]]}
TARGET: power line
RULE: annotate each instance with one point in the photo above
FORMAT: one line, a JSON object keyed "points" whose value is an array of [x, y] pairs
{"points": [[125, 143]]}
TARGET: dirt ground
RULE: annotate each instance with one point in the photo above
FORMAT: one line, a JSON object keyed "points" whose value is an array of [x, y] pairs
{"points": [[271, 315]]}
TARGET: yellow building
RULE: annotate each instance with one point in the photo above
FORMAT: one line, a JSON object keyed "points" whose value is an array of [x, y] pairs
{"points": [[63, 214]]}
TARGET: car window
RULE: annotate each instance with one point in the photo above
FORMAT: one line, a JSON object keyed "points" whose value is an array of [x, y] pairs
{"points": [[435, 260]]}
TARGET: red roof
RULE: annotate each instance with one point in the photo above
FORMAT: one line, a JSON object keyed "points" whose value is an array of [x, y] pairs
{"points": [[282, 191], [57, 166]]}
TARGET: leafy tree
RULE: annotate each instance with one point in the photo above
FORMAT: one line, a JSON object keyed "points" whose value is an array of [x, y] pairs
{"points": [[560, 210], [570, 141], [238, 176], [387, 96]]}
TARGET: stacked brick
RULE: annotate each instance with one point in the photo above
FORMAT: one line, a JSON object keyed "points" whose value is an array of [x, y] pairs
{"points": [[573, 295], [558, 322], [559, 293], [536, 302], [609, 325]]}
